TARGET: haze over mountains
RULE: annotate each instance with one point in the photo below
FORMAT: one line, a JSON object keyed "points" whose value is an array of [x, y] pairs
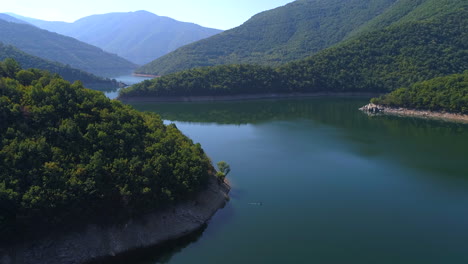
{"points": [[66, 50], [139, 36]]}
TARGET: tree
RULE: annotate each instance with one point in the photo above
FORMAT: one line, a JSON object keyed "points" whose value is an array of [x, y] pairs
{"points": [[224, 170]]}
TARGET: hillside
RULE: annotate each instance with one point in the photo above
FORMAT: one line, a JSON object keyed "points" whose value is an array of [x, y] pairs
{"points": [[448, 93], [139, 36], [66, 50], [9, 18], [378, 61], [404, 11], [71, 155], [298, 30], [27, 61], [294, 31]]}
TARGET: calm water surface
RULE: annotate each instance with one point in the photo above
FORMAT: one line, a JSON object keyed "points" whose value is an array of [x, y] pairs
{"points": [[336, 186], [127, 79]]}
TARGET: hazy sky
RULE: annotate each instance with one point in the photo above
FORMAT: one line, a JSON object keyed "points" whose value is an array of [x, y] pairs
{"points": [[222, 14]]}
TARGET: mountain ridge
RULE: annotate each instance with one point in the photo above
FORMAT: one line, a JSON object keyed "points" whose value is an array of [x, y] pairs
{"points": [[344, 20], [28, 61], [138, 36], [63, 49]]}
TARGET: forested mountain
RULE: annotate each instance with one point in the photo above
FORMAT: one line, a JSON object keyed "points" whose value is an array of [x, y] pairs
{"points": [[139, 36], [298, 30], [273, 37], [27, 61], [449, 93], [70, 154], [379, 61], [66, 50]]}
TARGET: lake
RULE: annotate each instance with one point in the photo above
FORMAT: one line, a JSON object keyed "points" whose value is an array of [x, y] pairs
{"points": [[317, 181], [127, 79]]}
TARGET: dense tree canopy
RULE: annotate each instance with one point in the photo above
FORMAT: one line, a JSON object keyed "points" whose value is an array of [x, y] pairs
{"points": [[448, 93], [379, 61], [298, 30], [276, 36], [66, 151]]}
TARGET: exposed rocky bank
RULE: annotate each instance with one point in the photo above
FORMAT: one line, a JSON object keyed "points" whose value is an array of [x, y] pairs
{"points": [[239, 97], [399, 111], [96, 241]]}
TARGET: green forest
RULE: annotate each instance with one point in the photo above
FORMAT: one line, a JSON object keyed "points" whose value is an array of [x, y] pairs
{"points": [[449, 93], [274, 37], [67, 152], [27, 61], [379, 61], [299, 30]]}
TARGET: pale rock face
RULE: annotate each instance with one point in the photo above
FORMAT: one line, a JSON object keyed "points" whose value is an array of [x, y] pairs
{"points": [[372, 108]]}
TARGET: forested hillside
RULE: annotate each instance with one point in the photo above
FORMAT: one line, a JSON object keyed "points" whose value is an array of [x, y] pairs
{"points": [[449, 93], [379, 61], [284, 34], [66, 50], [27, 61], [70, 154]]}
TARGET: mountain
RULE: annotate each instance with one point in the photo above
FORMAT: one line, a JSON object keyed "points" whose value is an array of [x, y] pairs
{"points": [[294, 31], [404, 11], [378, 61], [9, 18], [297, 31], [139, 36], [66, 50], [27, 61]]}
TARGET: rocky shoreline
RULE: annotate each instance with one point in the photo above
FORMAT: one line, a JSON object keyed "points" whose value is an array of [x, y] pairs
{"points": [[154, 99], [399, 111], [96, 242]]}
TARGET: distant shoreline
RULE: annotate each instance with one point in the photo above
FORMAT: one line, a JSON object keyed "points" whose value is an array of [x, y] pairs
{"points": [[241, 97], [406, 112], [145, 75]]}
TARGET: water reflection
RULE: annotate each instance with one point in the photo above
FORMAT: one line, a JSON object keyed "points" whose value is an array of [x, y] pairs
{"points": [[374, 189]]}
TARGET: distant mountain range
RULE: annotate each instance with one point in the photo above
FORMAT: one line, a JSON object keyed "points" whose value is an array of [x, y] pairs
{"points": [[66, 50], [411, 41], [139, 36], [13, 19], [297, 30]]}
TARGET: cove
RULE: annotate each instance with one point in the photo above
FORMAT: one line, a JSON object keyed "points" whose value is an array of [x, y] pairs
{"points": [[317, 181]]}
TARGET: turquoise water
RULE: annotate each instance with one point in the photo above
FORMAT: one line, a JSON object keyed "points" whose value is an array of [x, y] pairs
{"points": [[335, 185]]}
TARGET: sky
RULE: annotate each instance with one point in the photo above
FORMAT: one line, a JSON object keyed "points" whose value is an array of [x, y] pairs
{"points": [[220, 14]]}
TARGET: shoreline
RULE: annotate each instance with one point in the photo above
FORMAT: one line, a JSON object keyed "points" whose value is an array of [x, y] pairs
{"points": [[145, 75], [97, 242], [241, 97], [406, 112]]}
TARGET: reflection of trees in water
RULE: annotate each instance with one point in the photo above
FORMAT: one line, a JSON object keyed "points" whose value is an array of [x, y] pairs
{"points": [[157, 254], [252, 112], [429, 145]]}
